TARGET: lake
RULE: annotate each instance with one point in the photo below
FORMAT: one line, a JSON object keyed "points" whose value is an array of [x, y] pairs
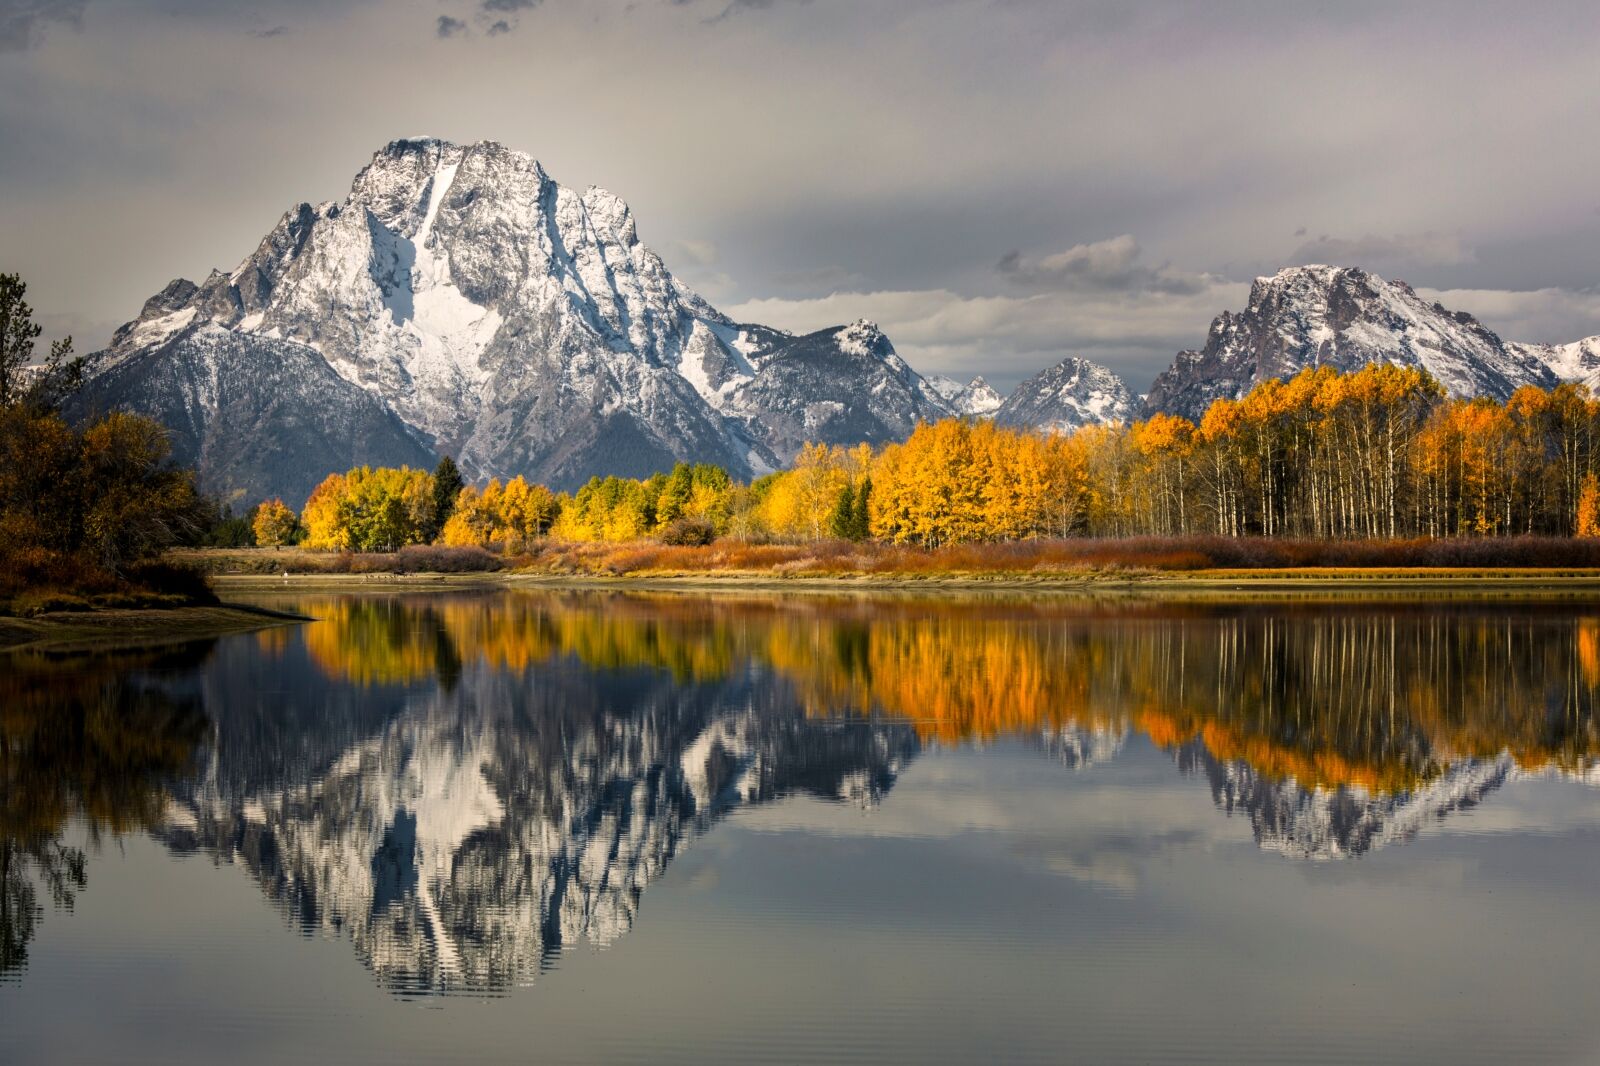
{"points": [[592, 827]]}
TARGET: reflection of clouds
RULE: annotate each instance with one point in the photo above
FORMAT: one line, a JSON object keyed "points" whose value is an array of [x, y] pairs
{"points": [[1101, 830], [1115, 861]]}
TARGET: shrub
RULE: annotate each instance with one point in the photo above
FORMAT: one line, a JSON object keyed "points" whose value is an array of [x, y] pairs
{"points": [[46, 601], [434, 559], [171, 580], [688, 533]]}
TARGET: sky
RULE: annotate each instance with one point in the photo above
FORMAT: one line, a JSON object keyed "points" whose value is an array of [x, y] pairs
{"points": [[998, 183]]}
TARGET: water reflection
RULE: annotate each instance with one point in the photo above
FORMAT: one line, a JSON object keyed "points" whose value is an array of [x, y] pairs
{"points": [[463, 786], [90, 741]]}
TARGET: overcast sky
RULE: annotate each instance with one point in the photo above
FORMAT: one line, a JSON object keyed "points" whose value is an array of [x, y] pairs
{"points": [[999, 183]]}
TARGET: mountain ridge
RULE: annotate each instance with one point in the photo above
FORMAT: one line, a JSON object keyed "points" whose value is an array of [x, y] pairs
{"points": [[1346, 317]]}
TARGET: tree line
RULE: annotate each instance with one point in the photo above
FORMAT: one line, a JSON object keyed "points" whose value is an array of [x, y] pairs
{"points": [[1378, 453]]}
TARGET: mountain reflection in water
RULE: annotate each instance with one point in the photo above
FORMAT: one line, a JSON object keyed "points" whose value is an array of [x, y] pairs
{"points": [[463, 785]]}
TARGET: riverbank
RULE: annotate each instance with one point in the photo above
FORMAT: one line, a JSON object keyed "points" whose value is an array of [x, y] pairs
{"points": [[108, 628], [1548, 585], [1073, 559], [1043, 568]]}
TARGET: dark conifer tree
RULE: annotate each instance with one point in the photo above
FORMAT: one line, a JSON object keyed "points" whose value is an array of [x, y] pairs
{"points": [[447, 485], [842, 521]]}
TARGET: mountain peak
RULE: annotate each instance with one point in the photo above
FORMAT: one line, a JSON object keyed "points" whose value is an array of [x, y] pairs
{"points": [[1343, 317], [460, 300], [1073, 393]]}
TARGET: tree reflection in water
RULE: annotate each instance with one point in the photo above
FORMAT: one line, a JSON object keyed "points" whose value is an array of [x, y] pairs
{"points": [[91, 740], [1382, 698]]}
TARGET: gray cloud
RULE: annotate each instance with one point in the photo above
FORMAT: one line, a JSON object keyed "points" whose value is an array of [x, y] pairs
{"points": [[275, 31], [1397, 250], [820, 279], [449, 27], [849, 158], [1108, 265], [735, 6], [23, 22], [509, 6]]}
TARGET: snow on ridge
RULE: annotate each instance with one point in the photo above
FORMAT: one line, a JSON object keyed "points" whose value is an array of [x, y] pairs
{"points": [[858, 338]]}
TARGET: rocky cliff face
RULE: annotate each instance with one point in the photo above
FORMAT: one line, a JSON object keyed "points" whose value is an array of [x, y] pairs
{"points": [[460, 300], [1342, 317], [1073, 393]]}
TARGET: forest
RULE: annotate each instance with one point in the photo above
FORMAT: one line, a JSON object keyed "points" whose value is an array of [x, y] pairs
{"points": [[1379, 454]]}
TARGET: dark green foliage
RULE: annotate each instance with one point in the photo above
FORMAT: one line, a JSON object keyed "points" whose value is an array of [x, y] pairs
{"points": [[861, 517], [228, 531], [849, 518], [44, 386], [842, 519], [447, 485], [79, 506]]}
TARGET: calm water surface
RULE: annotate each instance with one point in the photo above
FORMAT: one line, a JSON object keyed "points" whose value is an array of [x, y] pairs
{"points": [[559, 827]]}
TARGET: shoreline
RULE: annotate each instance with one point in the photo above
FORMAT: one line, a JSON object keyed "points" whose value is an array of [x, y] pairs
{"points": [[1545, 583], [136, 627]]}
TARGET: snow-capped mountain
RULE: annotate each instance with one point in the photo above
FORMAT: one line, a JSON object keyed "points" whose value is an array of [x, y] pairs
{"points": [[1073, 393], [976, 399], [1345, 318], [460, 300]]}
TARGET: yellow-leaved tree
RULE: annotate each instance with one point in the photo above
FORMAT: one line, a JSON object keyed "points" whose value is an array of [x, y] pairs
{"points": [[274, 524]]}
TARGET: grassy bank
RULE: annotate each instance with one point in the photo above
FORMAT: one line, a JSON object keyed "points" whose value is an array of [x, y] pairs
{"points": [[1208, 560], [123, 627]]}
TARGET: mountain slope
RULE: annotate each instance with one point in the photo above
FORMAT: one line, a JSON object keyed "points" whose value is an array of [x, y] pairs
{"points": [[1073, 393], [1342, 317], [496, 315]]}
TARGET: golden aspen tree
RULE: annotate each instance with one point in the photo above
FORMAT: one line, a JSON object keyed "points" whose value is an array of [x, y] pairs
{"points": [[274, 524]]}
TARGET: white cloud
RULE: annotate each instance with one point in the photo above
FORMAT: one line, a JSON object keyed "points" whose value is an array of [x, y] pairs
{"points": [[1008, 337]]}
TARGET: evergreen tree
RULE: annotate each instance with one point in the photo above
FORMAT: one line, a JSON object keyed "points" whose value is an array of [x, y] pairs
{"points": [[41, 386], [447, 486], [861, 517], [842, 522]]}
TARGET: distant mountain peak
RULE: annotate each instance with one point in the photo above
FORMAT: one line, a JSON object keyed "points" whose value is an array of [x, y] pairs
{"points": [[976, 399], [1071, 394]]}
